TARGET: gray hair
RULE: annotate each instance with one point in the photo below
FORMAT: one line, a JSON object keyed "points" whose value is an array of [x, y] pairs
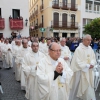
{"points": [[62, 38], [85, 36]]}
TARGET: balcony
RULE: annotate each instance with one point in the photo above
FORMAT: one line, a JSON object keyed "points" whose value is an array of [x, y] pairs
{"points": [[41, 7], [16, 23], [55, 5], [65, 6], [36, 12], [74, 7], [2, 23], [41, 25], [36, 27], [64, 25], [73, 25], [33, 15]]}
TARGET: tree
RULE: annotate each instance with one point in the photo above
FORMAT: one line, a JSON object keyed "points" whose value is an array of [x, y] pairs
{"points": [[93, 28]]}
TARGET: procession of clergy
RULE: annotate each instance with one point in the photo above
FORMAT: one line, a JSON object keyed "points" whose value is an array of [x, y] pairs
{"points": [[47, 70]]}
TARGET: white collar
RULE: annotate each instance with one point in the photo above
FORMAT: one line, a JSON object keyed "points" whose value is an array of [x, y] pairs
{"points": [[53, 62], [84, 46]]}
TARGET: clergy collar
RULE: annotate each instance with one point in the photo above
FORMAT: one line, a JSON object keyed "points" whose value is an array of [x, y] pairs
{"points": [[83, 46], [25, 48], [37, 53], [51, 61]]}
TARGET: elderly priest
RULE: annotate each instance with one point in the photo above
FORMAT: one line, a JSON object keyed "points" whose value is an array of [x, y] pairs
{"points": [[82, 65], [53, 76]]}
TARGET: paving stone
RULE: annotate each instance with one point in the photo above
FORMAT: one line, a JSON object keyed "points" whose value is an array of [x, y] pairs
{"points": [[11, 88]]}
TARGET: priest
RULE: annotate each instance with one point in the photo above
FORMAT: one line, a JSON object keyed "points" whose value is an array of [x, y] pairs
{"points": [[82, 65], [20, 54], [65, 52], [30, 62], [53, 76], [42, 45], [47, 46], [7, 49], [16, 50]]}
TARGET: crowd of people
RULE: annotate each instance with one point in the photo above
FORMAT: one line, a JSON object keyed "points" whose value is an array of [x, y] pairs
{"points": [[46, 68]]}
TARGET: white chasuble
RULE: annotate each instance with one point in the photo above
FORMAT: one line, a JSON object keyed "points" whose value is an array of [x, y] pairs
{"points": [[50, 89]]}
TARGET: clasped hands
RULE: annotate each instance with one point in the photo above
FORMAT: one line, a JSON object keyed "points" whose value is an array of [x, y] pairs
{"points": [[59, 68]]}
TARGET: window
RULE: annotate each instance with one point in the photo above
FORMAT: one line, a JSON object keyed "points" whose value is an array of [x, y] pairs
{"points": [[65, 2], [0, 12], [56, 1], [73, 3], [86, 6], [64, 20], [73, 18], [84, 22], [34, 23], [37, 22], [98, 8], [64, 34], [55, 34], [90, 6], [89, 20], [72, 35], [42, 20], [37, 7], [16, 13], [94, 7]]}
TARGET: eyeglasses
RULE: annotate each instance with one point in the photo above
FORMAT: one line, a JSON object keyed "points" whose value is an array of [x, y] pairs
{"points": [[56, 50]]}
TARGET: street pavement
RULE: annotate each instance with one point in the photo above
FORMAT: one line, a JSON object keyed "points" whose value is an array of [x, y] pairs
{"points": [[12, 89]]}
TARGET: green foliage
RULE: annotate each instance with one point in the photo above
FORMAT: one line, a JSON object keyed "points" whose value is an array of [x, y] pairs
{"points": [[93, 28]]}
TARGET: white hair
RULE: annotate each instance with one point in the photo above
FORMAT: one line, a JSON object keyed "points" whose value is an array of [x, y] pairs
{"points": [[85, 36], [62, 38]]}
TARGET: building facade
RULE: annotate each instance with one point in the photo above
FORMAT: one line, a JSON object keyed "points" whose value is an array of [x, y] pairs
{"points": [[14, 17], [90, 9], [55, 18]]}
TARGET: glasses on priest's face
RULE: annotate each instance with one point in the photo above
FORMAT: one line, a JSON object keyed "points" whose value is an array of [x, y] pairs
{"points": [[59, 50]]}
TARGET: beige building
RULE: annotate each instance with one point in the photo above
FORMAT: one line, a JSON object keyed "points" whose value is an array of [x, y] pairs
{"points": [[55, 17]]}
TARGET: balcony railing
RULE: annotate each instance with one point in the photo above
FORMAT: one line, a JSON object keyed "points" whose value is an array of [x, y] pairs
{"points": [[55, 4], [65, 6], [41, 7], [40, 25], [36, 27], [64, 25], [36, 12], [2, 23], [33, 15], [74, 8], [16, 23]]}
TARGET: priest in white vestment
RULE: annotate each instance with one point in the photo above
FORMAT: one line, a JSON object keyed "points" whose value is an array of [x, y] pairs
{"points": [[53, 76], [29, 42], [29, 66], [65, 52], [7, 50], [24, 50], [14, 46], [82, 65], [42, 45], [47, 46], [16, 51]]}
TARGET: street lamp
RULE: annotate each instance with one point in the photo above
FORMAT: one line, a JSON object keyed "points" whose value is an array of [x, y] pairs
{"points": [[26, 21]]}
